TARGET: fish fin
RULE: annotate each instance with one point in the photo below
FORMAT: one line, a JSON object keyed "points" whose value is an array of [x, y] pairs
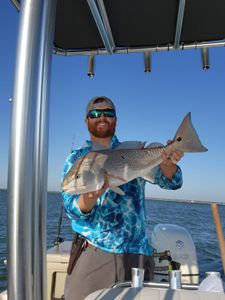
{"points": [[149, 179], [117, 177], [131, 145], [187, 137], [100, 158], [154, 145], [150, 176], [117, 190], [69, 191]]}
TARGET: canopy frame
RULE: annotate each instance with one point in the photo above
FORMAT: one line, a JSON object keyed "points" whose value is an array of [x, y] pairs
{"points": [[180, 18]]}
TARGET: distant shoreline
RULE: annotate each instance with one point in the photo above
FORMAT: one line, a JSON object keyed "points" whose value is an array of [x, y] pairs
{"points": [[158, 199], [183, 200]]}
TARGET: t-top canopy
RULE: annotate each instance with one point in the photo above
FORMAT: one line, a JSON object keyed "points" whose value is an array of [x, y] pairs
{"points": [[120, 26]]}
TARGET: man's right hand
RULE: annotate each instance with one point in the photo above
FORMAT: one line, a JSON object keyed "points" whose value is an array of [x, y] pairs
{"points": [[87, 201]]}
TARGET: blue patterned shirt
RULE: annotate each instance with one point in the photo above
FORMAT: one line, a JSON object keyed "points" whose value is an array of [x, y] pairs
{"points": [[116, 223]]}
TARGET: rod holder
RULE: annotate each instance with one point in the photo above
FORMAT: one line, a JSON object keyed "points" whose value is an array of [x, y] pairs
{"points": [[175, 279], [91, 65], [205, 58], [147, 61], [137, 277]]}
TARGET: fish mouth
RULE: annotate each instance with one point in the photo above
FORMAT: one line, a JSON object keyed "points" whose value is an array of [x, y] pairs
{"points": [[70, 189], [73, 191]]}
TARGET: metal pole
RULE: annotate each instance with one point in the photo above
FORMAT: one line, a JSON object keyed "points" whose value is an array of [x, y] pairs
{"points": [[155, 285], [101, 28], [180, 17], [105, 21], [41, 151], [22, 155]]}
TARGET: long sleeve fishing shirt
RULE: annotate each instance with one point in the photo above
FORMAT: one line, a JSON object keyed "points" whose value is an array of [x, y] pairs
{"points": [[116, 223]]}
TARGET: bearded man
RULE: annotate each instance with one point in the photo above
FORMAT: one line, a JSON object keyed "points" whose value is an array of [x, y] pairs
{"points": [[110, 228]]}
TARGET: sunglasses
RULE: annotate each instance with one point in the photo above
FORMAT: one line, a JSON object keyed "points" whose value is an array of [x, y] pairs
{"points": [[96, 113]]}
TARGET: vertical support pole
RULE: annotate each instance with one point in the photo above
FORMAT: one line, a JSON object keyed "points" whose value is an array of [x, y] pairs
{"points": [[28, 142], [41, 151], [20, 178], [219, 231]]}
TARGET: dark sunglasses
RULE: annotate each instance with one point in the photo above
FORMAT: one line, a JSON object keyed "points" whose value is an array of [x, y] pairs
{"points": [[96, 113]]}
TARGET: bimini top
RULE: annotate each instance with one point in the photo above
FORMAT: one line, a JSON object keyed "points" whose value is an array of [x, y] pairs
{"points": [[121, 26]]}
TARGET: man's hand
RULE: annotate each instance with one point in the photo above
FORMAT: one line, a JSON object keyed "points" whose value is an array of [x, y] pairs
{"points": [[168, 165], [87, 201]]}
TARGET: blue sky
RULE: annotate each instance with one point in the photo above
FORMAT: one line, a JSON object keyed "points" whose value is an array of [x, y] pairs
{"points": [[150, 107]]}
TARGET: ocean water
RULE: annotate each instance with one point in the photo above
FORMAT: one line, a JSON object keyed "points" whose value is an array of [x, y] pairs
{"points": [[195, 217]]}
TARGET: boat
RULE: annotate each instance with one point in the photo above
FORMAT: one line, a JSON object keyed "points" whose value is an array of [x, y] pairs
{"points": [[158, 26]]}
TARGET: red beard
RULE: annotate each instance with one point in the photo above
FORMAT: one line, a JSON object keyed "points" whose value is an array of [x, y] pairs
{"points": [[102, 132]]}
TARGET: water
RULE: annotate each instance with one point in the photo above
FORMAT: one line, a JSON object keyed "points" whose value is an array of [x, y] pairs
{"points": [[196, 218]]}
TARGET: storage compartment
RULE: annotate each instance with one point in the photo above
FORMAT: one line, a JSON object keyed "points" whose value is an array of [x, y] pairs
{"points": [[57, 261]]}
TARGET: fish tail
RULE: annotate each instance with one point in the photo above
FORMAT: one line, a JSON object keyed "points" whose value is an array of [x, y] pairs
{"points": [[187, 138]]}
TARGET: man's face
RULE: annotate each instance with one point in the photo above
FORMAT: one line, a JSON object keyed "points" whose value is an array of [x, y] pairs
{"points": [[101, 127]]}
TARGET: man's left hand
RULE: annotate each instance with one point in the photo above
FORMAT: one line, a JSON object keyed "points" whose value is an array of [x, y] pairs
{"points": [[168, 165]]}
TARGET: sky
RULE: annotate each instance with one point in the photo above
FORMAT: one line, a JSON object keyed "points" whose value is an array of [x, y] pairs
{"points": [[150, 107]]}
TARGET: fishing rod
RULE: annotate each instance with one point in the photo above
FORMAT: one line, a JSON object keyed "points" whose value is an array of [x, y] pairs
{"points": [[58, 238]]}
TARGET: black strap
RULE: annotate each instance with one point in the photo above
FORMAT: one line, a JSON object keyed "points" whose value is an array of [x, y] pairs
{"points": [[78, 245]]}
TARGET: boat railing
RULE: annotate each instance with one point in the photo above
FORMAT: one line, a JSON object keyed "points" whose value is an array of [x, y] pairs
{"points": [[155, 285]]}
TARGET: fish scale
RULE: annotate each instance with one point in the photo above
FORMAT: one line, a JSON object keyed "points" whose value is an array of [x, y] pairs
{"points": [[135, 158]]}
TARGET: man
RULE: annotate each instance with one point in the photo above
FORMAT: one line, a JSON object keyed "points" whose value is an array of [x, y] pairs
{"points": [[113, 225]]}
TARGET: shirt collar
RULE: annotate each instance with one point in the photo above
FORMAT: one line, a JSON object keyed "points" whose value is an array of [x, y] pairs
{"points": [[114, 143]]}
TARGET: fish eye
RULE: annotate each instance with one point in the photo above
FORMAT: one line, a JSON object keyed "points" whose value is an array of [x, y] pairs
{"points": [[179, 139], [77, 176]]}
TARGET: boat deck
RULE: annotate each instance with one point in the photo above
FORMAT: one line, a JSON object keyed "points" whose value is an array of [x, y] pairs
{"points": [[147, 293]]}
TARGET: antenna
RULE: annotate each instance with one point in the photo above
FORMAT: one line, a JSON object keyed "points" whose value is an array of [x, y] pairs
{"points": [[72, 145]]}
